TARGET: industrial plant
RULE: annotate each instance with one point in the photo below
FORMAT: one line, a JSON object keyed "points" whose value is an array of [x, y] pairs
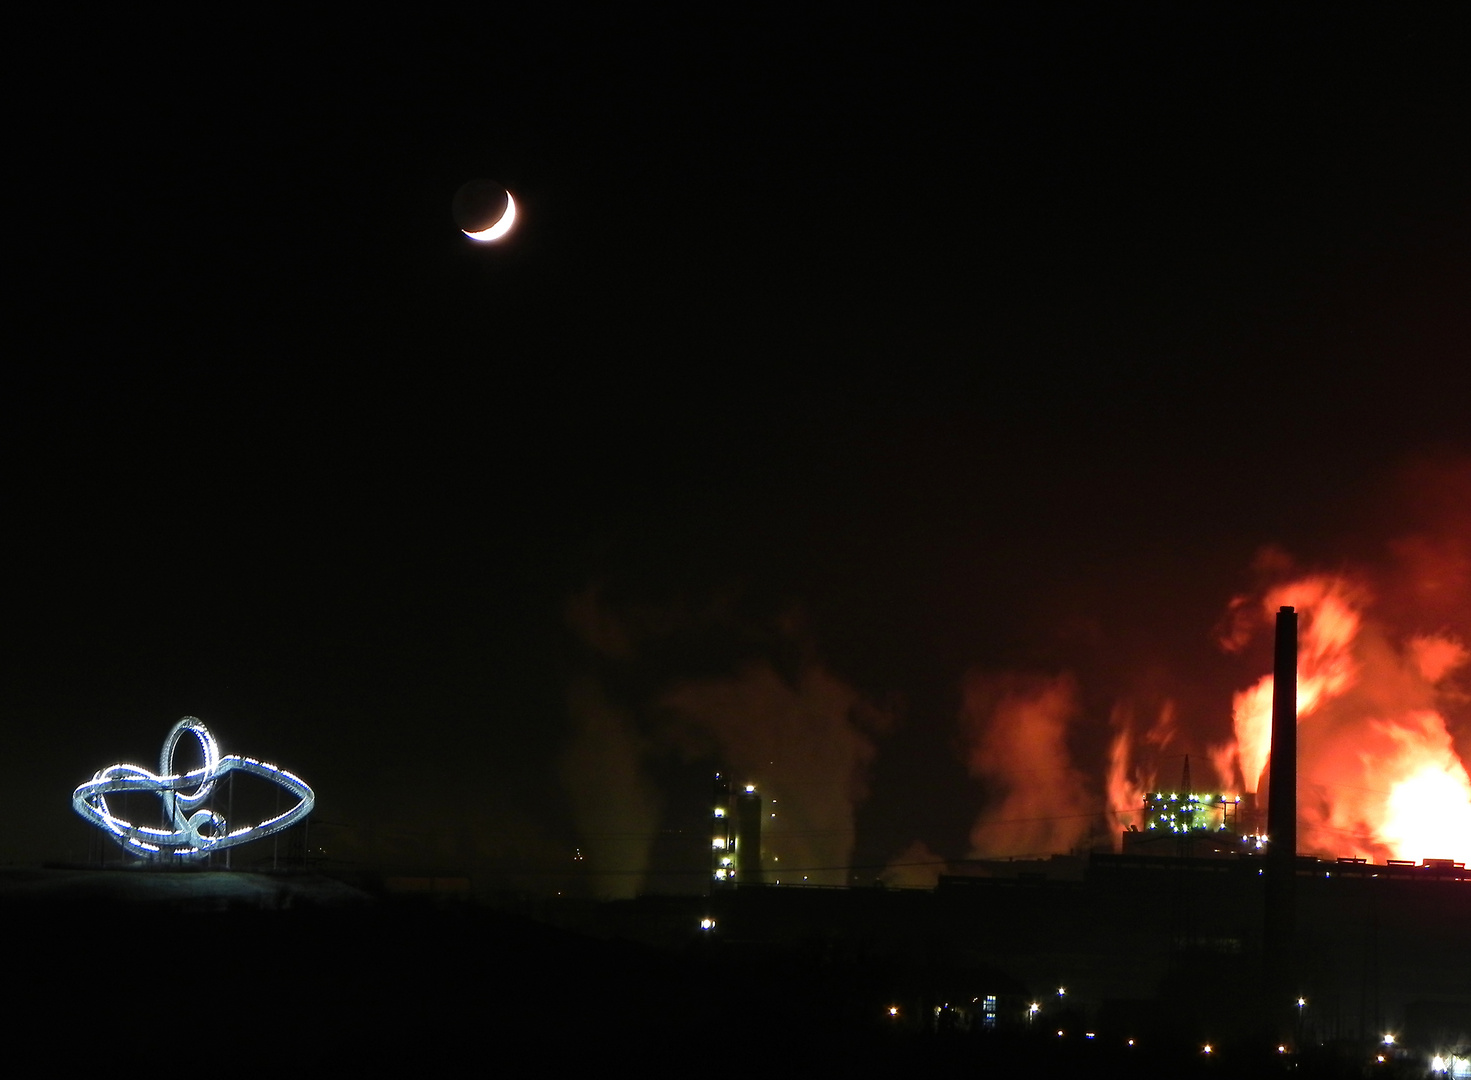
{"points": [[1204, 931], [1199, 940]]}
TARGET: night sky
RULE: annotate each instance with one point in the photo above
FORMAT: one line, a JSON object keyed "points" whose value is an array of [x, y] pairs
{"points": [[834, 361]]}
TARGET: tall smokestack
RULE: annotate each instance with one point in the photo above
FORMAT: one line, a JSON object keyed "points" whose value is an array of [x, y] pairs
{"points": [[1278, 941], [1282, 777], [748, 836]]}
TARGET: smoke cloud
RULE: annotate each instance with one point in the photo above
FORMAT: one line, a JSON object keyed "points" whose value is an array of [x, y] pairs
{"points": [[917, 867], [807, 742], [1329, 621], [1382, 719], [1379, 774], [1384, 715], [1015, 727], [722, 690], [1382, 706], [614, 805]]}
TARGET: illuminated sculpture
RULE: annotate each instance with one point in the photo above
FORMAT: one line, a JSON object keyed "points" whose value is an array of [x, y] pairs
{"points": [[193, 832]]}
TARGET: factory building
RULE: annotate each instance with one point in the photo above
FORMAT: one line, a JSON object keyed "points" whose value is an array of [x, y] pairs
{"points": [[1200, 932], [1192, 824], [735, 836]]}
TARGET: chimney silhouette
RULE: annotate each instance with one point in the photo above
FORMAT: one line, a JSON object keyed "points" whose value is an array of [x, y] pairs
{"points": [[1279, 981], [1282, 779]]}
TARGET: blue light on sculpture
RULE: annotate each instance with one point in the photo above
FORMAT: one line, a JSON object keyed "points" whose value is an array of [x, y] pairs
{"points": [[193, 831]]}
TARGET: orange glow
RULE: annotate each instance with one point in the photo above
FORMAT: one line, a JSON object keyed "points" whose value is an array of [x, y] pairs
{"points": [[1125, 792], [1017, 728], [1251, 711], [1329, 623], [1379, 773], [1128, 776], [1437, 657], [1383, 722], [1429, 814]]}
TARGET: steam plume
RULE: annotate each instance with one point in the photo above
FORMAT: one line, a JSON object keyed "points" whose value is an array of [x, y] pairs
{"points": [[718, 690], [1016, 732], [616, 809], [807, 742]]}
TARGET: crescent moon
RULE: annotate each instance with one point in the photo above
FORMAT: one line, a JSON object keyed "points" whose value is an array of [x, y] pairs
{"points": [[500, 228]]}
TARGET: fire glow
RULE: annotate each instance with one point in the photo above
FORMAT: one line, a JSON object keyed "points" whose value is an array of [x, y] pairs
{"points": [[1380, 776], [1381, 703]]}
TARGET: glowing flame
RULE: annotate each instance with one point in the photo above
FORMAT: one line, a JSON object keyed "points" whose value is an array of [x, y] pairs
{"points": [[1325, 664], [1379, 774], [1428, 814], [1125, 792], [1128, 778]]}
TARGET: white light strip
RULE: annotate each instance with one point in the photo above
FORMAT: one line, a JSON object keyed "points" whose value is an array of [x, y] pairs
{"points": [[183, 792]]}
